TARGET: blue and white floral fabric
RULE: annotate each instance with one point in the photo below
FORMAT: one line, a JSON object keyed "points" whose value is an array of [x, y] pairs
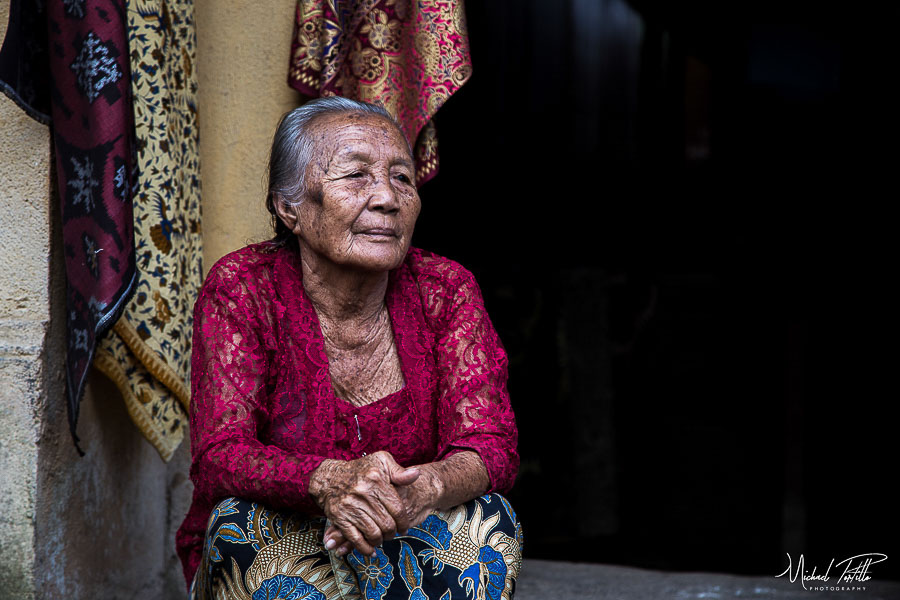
{"points": [[473, 551]]}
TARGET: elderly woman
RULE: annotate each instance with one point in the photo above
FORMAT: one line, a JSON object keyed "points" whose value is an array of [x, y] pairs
{"points": [[350, 423]]}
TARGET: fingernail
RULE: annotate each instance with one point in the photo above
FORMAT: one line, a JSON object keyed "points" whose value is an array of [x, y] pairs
{"points": [[330, 544]]}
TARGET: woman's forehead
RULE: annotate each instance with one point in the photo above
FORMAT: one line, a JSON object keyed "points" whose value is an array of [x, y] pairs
{"points": [[350, 134]]}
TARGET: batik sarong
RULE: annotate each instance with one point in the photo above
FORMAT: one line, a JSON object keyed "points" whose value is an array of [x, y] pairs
{"points": [[147, 354], [252, 553]]}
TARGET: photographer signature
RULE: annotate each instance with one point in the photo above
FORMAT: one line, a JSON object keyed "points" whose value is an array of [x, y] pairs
{"points": [[856, 568]]}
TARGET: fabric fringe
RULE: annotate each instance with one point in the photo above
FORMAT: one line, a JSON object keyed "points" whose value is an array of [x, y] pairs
{"points": [[140, 416]]}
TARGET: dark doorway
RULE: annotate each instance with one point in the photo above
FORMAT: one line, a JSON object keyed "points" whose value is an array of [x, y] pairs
{"points": [[678, 214]]}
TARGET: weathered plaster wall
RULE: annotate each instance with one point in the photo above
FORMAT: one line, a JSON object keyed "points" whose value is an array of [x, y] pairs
{"points": [[106, 522], [243, 56], [103, 526], [24, 321]]}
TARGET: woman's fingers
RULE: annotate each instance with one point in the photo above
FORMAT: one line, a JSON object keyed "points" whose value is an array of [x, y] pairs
{"points": [[344, 548], [401, 476], [395, 514], [358, 540], [397, 475], [373, 526], [336, 542], [361, 499], [422, 496], [364, 524], [333, 538]]}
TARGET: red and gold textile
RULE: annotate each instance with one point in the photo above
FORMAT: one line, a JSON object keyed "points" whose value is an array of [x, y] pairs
{"points": [[119, 87], [93, 136], [408, 55]]}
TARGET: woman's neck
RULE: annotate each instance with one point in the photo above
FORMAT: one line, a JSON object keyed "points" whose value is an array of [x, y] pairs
{"points": [[349, 302]]}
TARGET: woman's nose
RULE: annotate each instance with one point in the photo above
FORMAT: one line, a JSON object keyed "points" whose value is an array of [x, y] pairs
{"points": [[383, 196]]}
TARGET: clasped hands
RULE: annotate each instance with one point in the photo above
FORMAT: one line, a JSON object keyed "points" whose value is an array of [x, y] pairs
{"points": [[372, 499]]}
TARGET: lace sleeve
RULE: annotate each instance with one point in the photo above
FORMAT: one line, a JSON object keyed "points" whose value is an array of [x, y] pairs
{"points": [[474, 408], [229, 403]]}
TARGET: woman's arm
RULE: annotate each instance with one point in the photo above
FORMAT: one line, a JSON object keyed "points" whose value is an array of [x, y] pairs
{"points": [[444, 484], [229, 364], [474, 411]]}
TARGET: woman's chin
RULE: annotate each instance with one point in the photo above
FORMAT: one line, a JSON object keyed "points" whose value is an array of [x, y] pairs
{"points": [[376, 261]]}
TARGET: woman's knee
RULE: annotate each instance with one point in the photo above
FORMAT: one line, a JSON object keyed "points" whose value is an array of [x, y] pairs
{"points": [[228, 510], [497, 506]]}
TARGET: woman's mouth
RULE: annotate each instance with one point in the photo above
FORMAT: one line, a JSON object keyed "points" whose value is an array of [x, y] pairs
{"points": [[379, 232]]}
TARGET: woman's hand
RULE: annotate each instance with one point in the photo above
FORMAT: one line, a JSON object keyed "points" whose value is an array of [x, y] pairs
{"points": [[360, 498], [422, 496], [438, 485], [419, 499]]}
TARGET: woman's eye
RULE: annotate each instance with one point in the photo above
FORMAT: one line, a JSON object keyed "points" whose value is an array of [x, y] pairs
{"points": [[404, 178], [355, 175]]}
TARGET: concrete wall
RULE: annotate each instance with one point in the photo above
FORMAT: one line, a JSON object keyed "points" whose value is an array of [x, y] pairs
{"points": [[102, 526]]}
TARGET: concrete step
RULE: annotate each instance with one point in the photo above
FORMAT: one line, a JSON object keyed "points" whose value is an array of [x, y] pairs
{"points": [[557, 580]]}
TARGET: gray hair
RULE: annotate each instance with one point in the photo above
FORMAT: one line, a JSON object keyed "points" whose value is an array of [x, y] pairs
{"points": [[293, 148]]}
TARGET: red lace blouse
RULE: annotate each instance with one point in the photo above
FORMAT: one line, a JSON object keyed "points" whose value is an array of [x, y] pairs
{"points": [[263, 411]]}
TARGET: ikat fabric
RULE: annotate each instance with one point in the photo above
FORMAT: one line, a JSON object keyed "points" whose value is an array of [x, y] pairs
{"points": [[147, 354], [93, 135], [408, 55], [264, 414], [251, 551]]}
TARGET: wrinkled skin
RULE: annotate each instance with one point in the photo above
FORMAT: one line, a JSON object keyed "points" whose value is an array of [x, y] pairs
{"points": [[362, 203], [419, 489], [353, 226]]}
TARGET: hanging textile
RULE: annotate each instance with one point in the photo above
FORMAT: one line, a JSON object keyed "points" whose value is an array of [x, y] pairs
{"points": [[86, 86], [408, 55], [24, 65], [93, 136], [147, 354]]}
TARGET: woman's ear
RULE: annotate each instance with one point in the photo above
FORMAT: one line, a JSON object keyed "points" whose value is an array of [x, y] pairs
{"points": [[287, 213]]}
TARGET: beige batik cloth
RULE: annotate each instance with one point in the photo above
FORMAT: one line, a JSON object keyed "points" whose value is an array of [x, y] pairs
{"points": [[147, 354]]}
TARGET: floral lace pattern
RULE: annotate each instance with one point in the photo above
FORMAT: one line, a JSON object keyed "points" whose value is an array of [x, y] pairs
{"points": [[264, 414]]}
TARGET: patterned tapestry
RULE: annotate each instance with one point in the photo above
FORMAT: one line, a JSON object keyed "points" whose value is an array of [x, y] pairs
{"points": [[24, 60], [147, 354], [408, 55], [93, 138]]}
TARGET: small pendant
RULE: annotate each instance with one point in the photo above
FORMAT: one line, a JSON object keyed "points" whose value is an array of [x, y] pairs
{"points": [[358, 433]]}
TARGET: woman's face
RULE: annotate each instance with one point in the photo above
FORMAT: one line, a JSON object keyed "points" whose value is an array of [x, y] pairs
{"points": [[362, 202]]}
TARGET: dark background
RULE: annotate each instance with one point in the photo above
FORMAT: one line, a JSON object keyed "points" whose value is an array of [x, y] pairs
{"points": [[680, 217]]}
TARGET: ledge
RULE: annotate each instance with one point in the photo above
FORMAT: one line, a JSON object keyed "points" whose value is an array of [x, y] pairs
{"points": [[541, 579]]}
